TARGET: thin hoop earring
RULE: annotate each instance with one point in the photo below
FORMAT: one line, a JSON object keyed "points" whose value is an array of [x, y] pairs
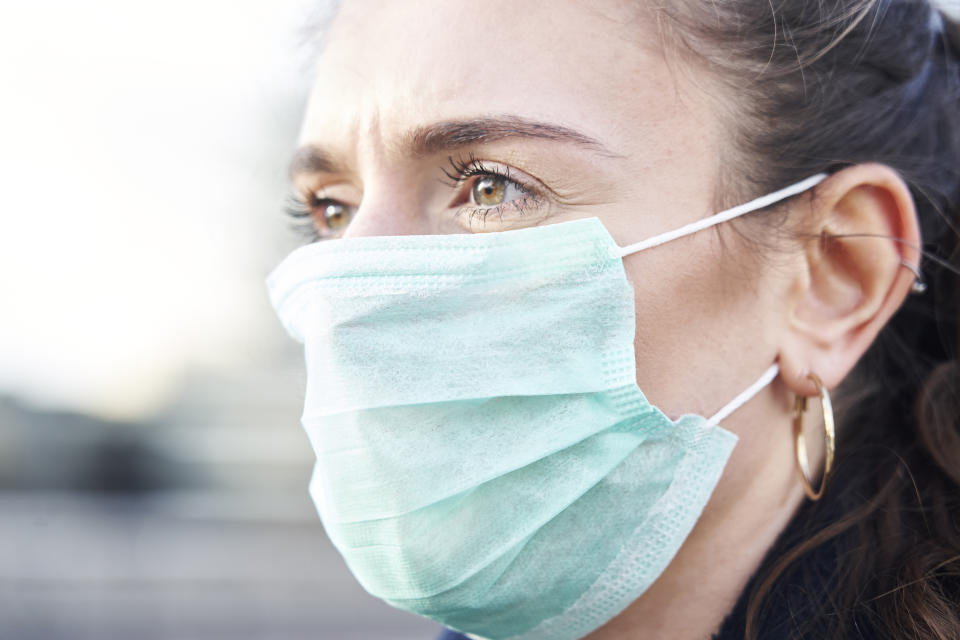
{"points": [[803, 465], [918, 286]]}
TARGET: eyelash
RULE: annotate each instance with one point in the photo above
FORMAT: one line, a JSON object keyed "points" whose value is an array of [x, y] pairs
{"points": [[302, 217], [460, 172]]}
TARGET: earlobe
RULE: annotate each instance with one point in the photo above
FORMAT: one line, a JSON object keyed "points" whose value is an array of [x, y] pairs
{"points": [[851, 279]]}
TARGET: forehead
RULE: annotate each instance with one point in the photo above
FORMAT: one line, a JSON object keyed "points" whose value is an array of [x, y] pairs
{"points": [[390, 65]]}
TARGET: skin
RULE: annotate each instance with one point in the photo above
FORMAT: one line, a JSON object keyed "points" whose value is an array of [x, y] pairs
{"points": [[712, 315]]}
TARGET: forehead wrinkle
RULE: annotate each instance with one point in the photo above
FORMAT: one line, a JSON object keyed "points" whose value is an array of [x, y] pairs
{"points": [[317, 157], [441, 136]]}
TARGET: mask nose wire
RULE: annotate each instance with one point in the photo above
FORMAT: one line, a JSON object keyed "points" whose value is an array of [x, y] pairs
{"points": [[724, 216]]}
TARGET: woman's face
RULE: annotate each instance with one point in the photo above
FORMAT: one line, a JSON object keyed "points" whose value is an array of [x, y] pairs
{"points": [[432, 117]]}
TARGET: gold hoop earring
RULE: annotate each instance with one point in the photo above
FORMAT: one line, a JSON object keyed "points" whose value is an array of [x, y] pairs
{"points": [[803, 465]]}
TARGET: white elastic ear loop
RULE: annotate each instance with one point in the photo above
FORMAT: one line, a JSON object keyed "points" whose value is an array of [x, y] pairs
{"points": [[723, 216], [744, 396]]}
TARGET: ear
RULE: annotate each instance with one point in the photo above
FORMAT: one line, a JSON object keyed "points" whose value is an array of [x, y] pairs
{"points": [[847, 288]]}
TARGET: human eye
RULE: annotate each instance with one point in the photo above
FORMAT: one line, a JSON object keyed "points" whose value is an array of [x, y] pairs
{"points": [[489, 192], [317, 217]]}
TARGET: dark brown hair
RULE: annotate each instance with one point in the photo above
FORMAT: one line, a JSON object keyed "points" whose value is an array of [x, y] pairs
{"points": [[819, 86]]}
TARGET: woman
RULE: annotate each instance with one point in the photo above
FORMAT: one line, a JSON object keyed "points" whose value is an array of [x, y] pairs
{"points": [[522, 196]]}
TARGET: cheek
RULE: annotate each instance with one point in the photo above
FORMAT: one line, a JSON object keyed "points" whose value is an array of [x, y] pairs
{"points": [[704, 324]]}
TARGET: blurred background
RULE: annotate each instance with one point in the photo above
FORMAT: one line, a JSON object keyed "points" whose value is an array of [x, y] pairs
{"points": [[153, 473]]}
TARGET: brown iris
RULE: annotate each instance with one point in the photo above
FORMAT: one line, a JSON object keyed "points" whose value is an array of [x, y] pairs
{"points": [[335, 216], [489, 191]]}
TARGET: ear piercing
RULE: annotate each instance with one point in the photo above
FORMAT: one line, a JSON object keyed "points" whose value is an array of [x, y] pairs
{"points": [[919, 286]]}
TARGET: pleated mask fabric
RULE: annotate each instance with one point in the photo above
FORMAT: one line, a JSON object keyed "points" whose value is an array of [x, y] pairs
{"points": [[484, 455]]}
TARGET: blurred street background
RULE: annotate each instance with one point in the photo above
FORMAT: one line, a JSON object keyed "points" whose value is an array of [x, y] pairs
{"points": [[153, 472]]}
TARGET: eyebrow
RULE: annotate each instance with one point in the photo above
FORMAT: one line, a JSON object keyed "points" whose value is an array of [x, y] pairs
{"points": [[452, 134], [313, 158], [449, 135]]}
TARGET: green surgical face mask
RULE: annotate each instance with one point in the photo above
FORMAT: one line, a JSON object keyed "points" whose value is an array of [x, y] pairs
{"points": [[484, 455]]}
